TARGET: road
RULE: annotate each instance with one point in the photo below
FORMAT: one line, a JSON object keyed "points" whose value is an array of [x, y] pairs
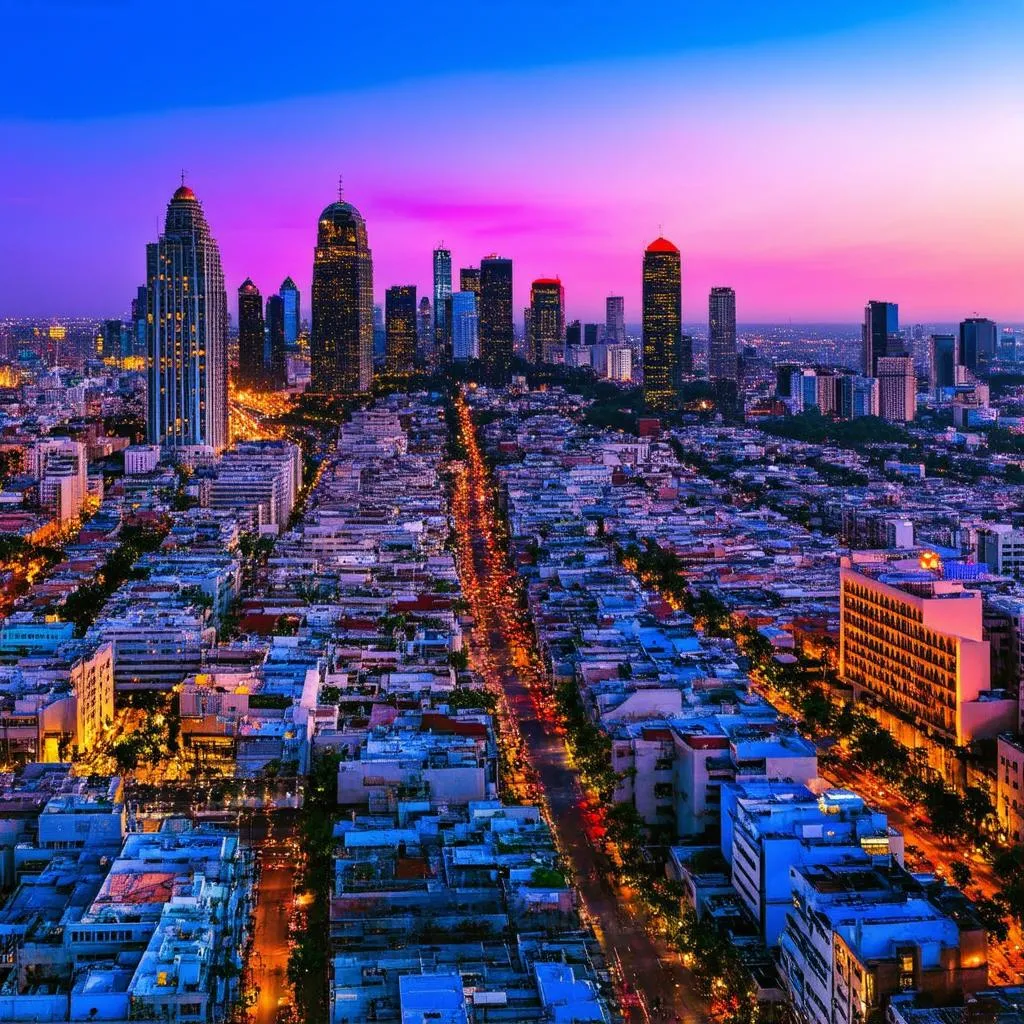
{"points": [[504, 654], [271, 836]]}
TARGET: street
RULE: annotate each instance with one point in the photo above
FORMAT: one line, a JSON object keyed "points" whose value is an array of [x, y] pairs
{"points": [[656, 985]]}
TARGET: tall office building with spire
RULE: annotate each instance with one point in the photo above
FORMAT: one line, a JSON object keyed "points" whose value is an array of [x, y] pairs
{"points": [[662, 322], [187, 326], [722, 362], [292, 312], [442, 305], [341, 343]]}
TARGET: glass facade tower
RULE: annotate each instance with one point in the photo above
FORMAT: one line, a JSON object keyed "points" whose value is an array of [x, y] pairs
{"points": [[187, 324]]}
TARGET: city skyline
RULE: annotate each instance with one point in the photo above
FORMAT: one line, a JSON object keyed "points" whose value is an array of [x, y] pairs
{"points": [[757, 175]]}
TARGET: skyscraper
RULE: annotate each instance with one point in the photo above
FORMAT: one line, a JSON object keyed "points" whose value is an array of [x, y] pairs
{"points": [[187, 326], [573, 334], [662, 322], [442, 309], [140, 321], [880, 334], [400, 324], [615, 320], [469, 280], [276, 361], [897, 388], [341, 345], [977, 343], [424, 331], [546, 340], [497, 336], [722, 334], [251, 368], [464, 326], [292, 313], [943, 362]]}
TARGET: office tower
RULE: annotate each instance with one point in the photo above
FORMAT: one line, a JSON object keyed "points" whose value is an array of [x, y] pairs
{"points": [[380, 335], [977, 343], [400, 324], [897, 388], [252, 371], [856, 396], [292, 313], [573, 334], [112, 340], [619, 363], [546, 337], [140, 309], [424, 327], [662, 322], [943, 362], [496, 334], [469, 280], [592, 334], [615, 320], [442, 309], [784, 376], [341, 345], [464, 326], [276, 359], [685, 356], [187, 314], [880, 334], [722, 363]]}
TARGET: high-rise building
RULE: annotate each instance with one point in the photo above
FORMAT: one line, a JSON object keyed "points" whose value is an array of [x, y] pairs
{"points": [[400, 324], [977, 343], [943, 362], [662, 322], [615, 320], [897, 388], [573, 334], [187, 326], [496, 333], [442, 307], [380, 335], [722, 363], [619, 363], [341, 345], [464, 326], [292, 313], [140, 321], [469, 280], [252, 373], [592, 334], [685, 356], [276, 360], [914, 643], [857, 396], [112, 340], [546, 337], [424, 331], [880, 334]]}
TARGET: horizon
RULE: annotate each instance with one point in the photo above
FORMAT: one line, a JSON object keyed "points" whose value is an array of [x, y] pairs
{"points": [[812, 159]]}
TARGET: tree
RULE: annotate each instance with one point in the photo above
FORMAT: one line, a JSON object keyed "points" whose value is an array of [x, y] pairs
{"points": [[961, 872]]}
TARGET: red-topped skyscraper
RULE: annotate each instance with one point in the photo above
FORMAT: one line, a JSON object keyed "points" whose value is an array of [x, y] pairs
{"points": [[662, 323], [546, 341]]}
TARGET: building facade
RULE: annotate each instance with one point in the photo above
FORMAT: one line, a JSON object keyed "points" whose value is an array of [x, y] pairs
{"points": [[187, 323], [464, 326], [546, 336], [251, 371], [496, 333], [897, 388], [442, 304], [880, 334], [977, 343], [289, 293], [722, 362], [400, 327], [341, 345], [615, 320], [276, 369]]}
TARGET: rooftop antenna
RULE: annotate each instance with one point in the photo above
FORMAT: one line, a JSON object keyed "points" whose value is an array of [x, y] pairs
{"points": [[341, 187], [183, 176]]}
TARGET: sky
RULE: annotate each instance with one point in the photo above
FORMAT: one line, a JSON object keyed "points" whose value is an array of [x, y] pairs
{"points": [[811, 155]]}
